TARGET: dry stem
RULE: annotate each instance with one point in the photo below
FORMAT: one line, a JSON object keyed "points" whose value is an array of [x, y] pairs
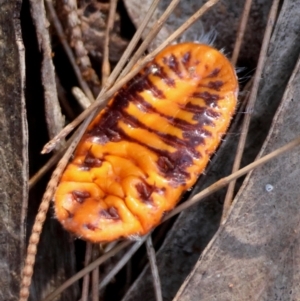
{"points": [[109, 27], [51, 162], [83, 101], [95, 276], [241, 32], [121, 263], [154, 270], [86, 278]]}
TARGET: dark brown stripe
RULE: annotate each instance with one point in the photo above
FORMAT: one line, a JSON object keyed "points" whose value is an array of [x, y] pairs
{"points": [[171, 165], [122, 101], [107, 130], [197, 109], [210, 99], [186, 60], [80, 196], [173, 64], [140, 83], [167, 138], [194, 134], [214, 73], [158, 71], [110, 213], [177, 122], [171, 172], [70, 215], [90, 227], [215, 85], [145, 190], [90, 161], [196, 137], [202, 119], [180, 159]]}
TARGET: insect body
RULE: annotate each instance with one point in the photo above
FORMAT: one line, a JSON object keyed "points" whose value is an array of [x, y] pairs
{"points": [[149, 145]]}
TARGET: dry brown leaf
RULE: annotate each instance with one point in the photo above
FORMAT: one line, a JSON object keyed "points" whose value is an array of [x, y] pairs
{"points": [[13, 151]]}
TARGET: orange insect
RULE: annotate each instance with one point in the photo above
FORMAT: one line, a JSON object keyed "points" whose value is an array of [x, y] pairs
{"points": [[149, 145]]}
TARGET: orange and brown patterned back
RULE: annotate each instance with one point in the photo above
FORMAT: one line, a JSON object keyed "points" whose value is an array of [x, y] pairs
{"points": [[149, 145]]}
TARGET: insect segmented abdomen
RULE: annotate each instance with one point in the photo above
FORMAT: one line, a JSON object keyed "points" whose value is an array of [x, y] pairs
{"points": [[149, 144]]}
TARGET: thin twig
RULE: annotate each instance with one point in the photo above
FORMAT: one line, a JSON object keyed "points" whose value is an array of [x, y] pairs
{"points": [[150, 36], [121, 263], [197, 198], [251, 103], [105, 76], [95, 276], [241, 110], [131, 46], [51, 162], [84, 103], [102, 98], [128, 279], [68, 50], [109, 27], [154, 269], [86, 278], [64, 102], [241, 32], [81, 98], [107, 247]]}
